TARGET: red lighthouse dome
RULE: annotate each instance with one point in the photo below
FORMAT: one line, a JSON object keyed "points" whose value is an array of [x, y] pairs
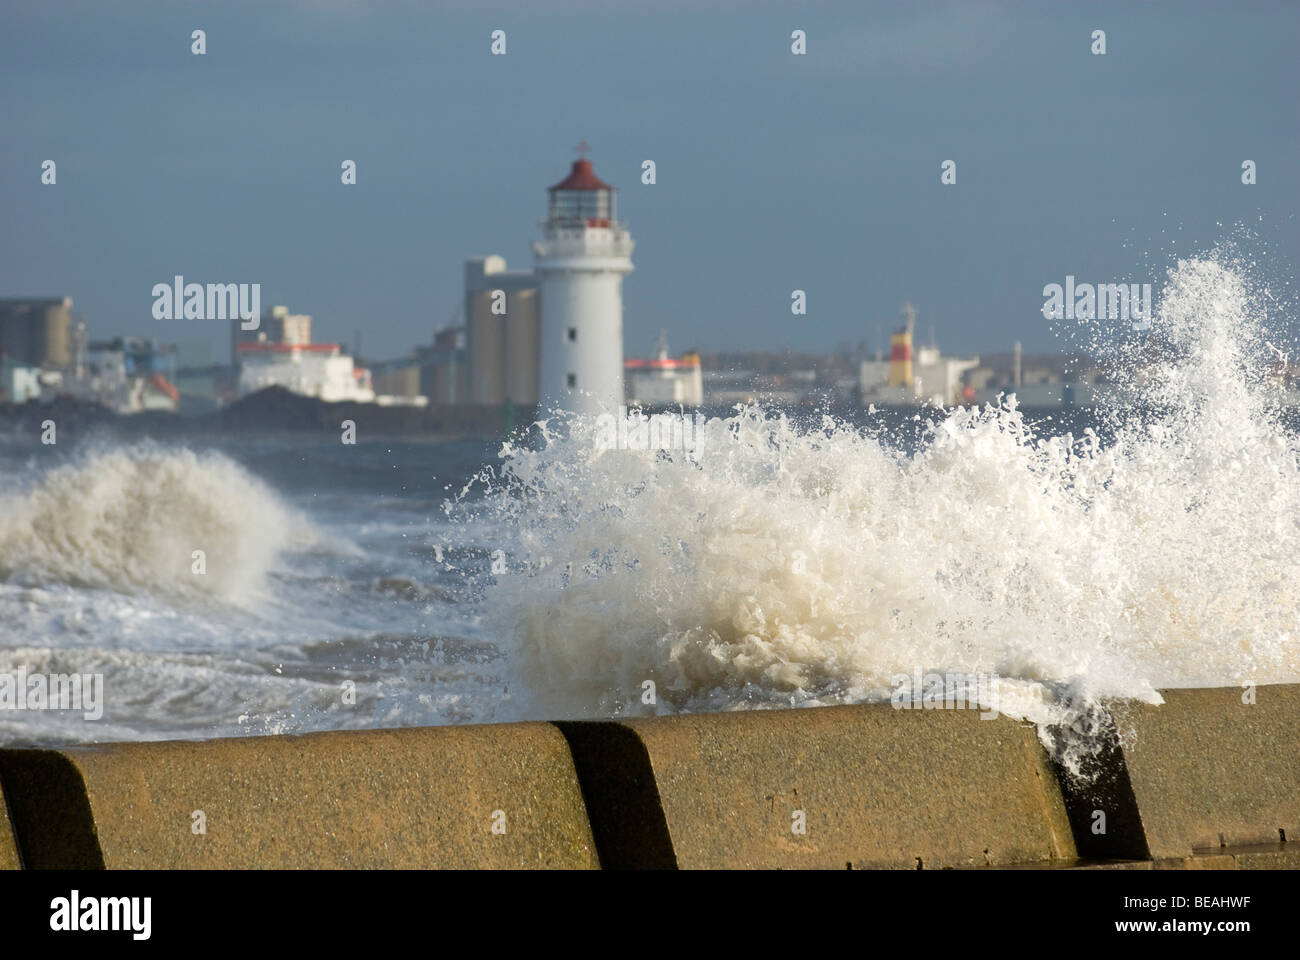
{"points": [[582, 198], [582, 177]]}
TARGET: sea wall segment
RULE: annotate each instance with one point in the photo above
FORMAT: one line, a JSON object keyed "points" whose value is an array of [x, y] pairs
{"points": [[1214, 768], [1211, 779], [833, 787], [493, 796], [8, 846]]}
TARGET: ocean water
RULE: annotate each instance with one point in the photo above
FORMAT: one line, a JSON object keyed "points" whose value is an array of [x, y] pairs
{"points": [[789, 561]]}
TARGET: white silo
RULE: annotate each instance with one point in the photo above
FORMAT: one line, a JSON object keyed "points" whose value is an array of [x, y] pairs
{"points": [[580, 262]]}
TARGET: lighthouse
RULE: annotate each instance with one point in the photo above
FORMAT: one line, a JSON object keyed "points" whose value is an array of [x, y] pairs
{"points": [[580, 261]]}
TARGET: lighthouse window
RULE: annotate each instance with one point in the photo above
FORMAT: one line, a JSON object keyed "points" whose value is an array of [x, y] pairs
{"points": [[573, 333], [573, 380], [570, 206]]}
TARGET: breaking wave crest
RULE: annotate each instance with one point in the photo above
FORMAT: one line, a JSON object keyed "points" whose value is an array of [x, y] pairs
{"points": [[130, 520], [789, 564]]}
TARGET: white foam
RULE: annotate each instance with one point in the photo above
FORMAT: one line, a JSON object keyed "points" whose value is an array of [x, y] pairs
{"points": [[130, 520], [788, 566]]}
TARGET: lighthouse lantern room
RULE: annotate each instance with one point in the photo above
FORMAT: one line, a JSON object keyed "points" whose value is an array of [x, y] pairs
{"points": [[580, 263]]}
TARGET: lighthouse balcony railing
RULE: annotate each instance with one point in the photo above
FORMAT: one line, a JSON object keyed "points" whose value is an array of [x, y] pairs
{"points": [[579, 223], [578, 242]]}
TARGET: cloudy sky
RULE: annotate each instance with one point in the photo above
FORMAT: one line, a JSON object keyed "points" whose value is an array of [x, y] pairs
{"points": [[775, 172]]}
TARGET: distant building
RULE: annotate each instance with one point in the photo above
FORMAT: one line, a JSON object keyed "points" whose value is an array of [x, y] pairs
{"points": [[280, 353], [912, 376], [276, 325], [38, 332], [1044, 380], [664, 381], [19, 382], [443, 367], [502, 331], [132, 375], [938, 378], [399, 378], [318, 370]]}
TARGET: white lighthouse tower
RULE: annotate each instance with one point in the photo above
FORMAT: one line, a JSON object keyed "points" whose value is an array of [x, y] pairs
{"points": [[580, 262]]}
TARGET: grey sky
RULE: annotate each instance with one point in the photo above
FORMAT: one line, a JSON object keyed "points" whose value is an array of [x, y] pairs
{"points": [[775, 172]]}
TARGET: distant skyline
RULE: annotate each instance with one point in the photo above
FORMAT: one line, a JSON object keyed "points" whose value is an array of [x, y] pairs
{"points": [[775, 172]]}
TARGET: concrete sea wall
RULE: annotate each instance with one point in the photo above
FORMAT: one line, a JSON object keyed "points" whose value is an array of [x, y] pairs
{"points": [[1210, 779]]}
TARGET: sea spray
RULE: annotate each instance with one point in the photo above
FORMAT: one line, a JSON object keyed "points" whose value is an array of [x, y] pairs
{"points": [[131, 518], [789, 565]]}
